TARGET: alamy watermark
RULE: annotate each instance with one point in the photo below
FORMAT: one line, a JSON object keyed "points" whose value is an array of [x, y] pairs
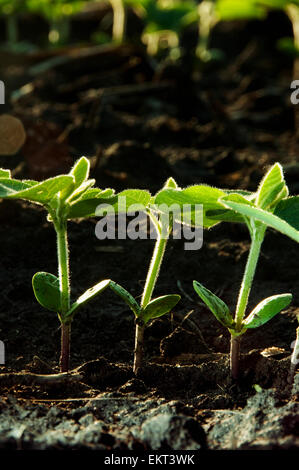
{"points": [[2, 353], [181, 222], [295, 95], [2, 92]]}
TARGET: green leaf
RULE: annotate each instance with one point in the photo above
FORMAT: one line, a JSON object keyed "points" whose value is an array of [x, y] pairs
{"points": [[5, 173], [80, 171], [237, 197], [159, 306], [126, 296], [288, 210], [267, 309], [126, 201], [87, 296], [47, 291], [88, 203], [270, 187], [41, 193], [219, 309], [9, 187], [263, 216], [77, 194], [171, 183], [230, 10], [229, 215], [199, 195]]}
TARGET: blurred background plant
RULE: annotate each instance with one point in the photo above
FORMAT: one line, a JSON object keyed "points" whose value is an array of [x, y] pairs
{"points": [[10, 10], [58, 14], [163, 21]]}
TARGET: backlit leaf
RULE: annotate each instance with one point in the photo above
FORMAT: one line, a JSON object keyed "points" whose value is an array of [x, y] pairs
{"points": [[189, 199], [267, 309], [270, 187], [80, 171], [41, 193], [5, 173], [264, 216], [87, 296], [216, 305], [159, 306], [46, 290], [88, 203], [126, 201], [126, 296]]}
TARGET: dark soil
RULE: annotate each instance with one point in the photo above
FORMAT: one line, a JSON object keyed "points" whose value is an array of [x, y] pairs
{"points": [[140, 123]]}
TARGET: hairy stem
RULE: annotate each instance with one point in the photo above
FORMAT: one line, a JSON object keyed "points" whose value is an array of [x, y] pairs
{"points": [[254, 253], [150, 283], [153, 271], [64, 284]]}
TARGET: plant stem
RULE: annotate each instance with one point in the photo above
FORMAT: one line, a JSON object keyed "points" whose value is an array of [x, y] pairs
{"points": [[234, 355], [294, 358], [119, 20], [64, 361], [63, 267], [64, 284], [255, 248], [150, 283], [154, 269], [12, 32], [138, 351], [254, 253], [207, 20]]}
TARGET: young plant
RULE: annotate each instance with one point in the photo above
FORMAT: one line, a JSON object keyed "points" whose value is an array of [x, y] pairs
{"points": [[149, 308], [65, 197], [211, 200], [282, 215], [271, 192]]}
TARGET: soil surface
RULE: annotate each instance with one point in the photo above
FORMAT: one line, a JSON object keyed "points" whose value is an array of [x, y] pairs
{"points": [[140, 122]]}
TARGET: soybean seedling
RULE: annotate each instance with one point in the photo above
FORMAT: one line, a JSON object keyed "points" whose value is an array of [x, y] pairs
{"points": [[283, 216], [149, 308], [271, 192], [65, 197]]}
